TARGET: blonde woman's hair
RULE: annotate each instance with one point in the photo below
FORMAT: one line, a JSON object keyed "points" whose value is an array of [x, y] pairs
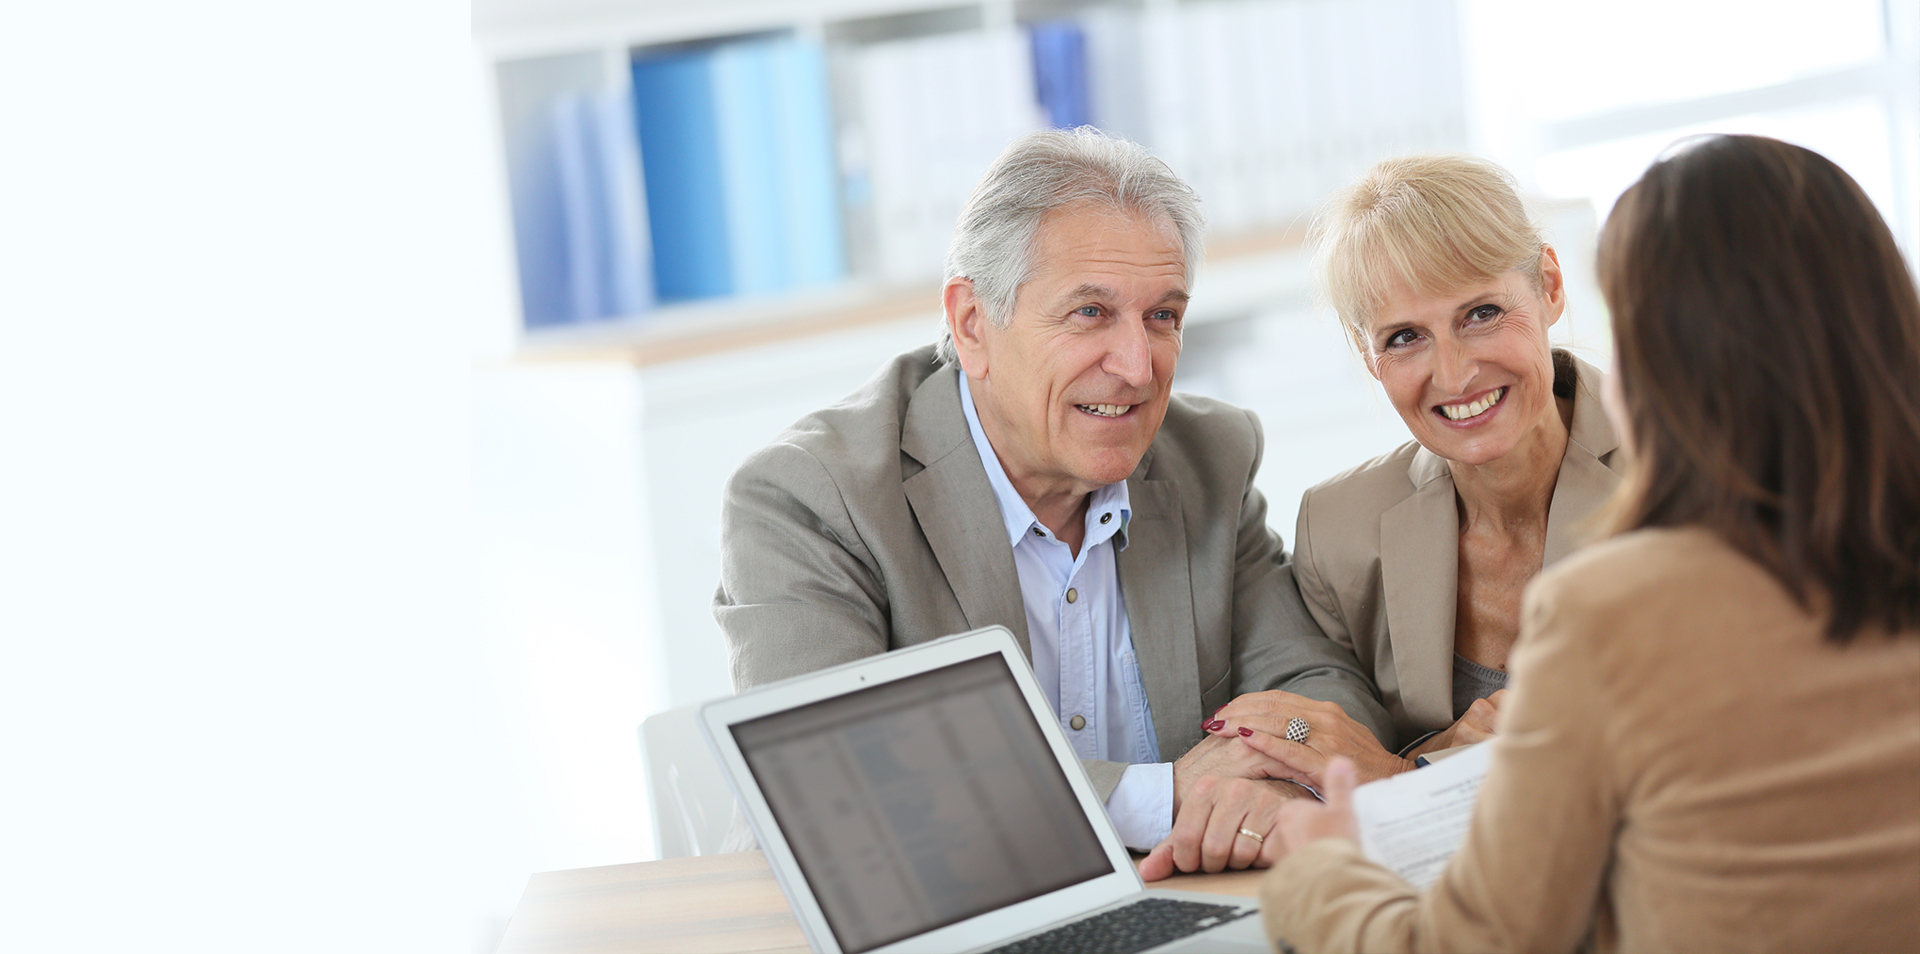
{"points": [[1427, 224]]}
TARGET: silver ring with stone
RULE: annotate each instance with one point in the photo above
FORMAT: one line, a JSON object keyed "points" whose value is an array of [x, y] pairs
{"points": [[1297, 729]]}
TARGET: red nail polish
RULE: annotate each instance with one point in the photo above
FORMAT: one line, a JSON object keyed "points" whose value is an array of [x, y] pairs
{"points": [[1245, 731], [1216, 709], [1215, 726]]}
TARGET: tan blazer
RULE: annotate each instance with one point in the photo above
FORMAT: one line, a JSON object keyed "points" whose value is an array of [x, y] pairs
{"points": [[1377, 551], [1685, 765], [870, 525]]}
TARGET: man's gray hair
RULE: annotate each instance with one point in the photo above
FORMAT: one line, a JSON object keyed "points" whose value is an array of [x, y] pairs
{"points": [[994, 242]]}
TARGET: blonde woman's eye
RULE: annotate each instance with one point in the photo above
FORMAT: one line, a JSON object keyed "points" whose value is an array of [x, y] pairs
{"points": [[1484, 313], [1401, 338]]}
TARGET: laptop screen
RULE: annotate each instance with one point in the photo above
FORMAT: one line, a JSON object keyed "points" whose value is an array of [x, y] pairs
{"points": [[921, 802]]}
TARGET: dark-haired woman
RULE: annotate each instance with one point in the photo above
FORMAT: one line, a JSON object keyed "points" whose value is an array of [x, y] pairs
{"points": [[1713, 737]]}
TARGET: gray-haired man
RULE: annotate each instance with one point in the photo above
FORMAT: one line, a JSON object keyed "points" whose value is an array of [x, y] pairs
{"points": [[1036, 471]]}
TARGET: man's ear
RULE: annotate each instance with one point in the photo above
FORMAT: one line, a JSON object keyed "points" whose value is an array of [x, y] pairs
{"points": [[967, 322]]}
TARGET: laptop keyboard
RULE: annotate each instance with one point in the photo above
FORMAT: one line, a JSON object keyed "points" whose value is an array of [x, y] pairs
{"points": [[1146, 923]]}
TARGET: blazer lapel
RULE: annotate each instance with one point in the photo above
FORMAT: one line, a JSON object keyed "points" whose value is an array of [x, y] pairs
{"points": [[1419, 566], [1586, 476], [1156, 586], [956, 509]]}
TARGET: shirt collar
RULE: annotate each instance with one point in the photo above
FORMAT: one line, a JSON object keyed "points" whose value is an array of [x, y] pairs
{"points": [[1014, 512]]}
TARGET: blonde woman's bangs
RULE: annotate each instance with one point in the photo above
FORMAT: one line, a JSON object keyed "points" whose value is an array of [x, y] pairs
{"points": [[1421, 224]]}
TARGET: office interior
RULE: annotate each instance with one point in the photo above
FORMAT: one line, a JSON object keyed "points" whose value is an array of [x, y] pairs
{"points": [[598, 468], [354, 590]]}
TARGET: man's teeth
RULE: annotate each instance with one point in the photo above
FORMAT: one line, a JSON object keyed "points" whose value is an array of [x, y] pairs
{"points": [[1106, 410], [1460, 412]]}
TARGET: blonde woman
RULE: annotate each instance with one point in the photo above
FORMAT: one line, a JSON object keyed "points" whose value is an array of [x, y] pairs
{"points": [[1416, 559]]}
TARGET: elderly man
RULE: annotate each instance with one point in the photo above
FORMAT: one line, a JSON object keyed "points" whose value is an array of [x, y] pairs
{"points": [[1036, 471]]}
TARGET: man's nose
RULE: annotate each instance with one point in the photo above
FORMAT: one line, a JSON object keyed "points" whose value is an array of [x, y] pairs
{"points": [[1129, 353]]}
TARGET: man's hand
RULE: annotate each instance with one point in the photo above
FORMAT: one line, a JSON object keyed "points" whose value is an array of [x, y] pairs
{"points": [[1260, 719], [1210, 827], [1226, 756], [1219, 787]]}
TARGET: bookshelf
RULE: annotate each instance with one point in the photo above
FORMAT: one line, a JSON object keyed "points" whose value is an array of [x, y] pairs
{"points": [[1263, 105], [638, 418]]}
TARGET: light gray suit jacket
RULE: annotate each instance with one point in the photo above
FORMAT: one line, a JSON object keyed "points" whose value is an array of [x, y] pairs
{"points": [[870, 525], [1378, 552]]}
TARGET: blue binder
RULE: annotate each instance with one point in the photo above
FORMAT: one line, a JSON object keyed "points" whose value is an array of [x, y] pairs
{"points": [[803, 121], [751, 155], [680, 153], [1060, 72]]}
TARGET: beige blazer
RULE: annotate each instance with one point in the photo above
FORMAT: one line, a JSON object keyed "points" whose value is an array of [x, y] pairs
{"points": [[870, 525], [1685, 765], [1377, 552]]}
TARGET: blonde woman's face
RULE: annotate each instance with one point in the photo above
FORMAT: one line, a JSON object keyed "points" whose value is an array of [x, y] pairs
{"points": [[1470, 370]]}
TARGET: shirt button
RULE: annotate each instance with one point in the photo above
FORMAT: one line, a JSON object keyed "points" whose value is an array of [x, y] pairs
{"points": [[1038, 532], [1106, 518], [1072, 594], [1078, 723]]}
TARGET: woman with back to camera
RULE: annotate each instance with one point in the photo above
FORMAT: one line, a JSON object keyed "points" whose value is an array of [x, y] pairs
{"points": [[1713, 742], [1416, 559]]}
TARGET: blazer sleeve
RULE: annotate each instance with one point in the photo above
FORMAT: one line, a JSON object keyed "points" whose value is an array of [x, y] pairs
{"points": [[1277, 643], [1530, 875], [799, 591]]}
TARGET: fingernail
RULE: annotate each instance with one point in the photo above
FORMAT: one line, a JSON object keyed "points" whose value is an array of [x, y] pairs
{"points": [[1245, 731], [1215, 726], [1216, 709]]}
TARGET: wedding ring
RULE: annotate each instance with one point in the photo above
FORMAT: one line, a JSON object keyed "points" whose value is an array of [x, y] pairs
{"points": [[1297, 729], [1256, 836]]}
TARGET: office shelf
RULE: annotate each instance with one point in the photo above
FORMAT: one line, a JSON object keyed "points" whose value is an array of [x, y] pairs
{"points": [[1262, 105]]}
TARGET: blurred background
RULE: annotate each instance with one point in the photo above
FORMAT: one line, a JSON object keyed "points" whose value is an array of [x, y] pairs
{"points": [[373, 371]]}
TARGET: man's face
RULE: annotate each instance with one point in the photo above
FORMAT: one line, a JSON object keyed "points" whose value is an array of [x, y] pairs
{"points": [[1073, 390]]}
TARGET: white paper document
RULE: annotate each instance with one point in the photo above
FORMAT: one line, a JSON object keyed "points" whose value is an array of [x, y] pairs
{"points": [[1413, 822]]}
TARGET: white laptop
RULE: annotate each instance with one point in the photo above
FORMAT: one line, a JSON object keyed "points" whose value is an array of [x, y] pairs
{"points": [[926, 800]]}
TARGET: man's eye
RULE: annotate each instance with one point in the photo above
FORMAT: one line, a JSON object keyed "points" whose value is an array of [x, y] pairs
{"points": [[1167, 314], [1091, 311]]}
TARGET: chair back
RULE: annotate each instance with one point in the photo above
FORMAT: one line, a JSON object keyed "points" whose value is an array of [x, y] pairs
{"points": [[692, 805]]}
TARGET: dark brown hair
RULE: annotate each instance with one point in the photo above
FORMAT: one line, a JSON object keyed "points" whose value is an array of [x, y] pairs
{"points": [[1767, 335]]}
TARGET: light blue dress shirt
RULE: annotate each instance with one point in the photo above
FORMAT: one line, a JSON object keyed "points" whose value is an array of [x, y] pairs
{"points": [[1082, 647]]}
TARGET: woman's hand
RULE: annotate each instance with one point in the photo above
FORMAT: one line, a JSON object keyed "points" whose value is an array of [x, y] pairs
{"points": [[1479, 724], [1261, 719], [1303, 822]]}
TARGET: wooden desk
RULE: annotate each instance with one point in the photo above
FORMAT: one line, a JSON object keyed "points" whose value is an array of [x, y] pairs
{"points": [[715, 903]]}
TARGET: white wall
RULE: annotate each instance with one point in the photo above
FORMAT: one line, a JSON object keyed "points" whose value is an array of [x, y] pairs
{"points": [[244, 250]]}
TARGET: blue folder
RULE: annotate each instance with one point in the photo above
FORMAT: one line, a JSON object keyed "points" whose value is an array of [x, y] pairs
{"points": [[680, 153], [1060, 72]]}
